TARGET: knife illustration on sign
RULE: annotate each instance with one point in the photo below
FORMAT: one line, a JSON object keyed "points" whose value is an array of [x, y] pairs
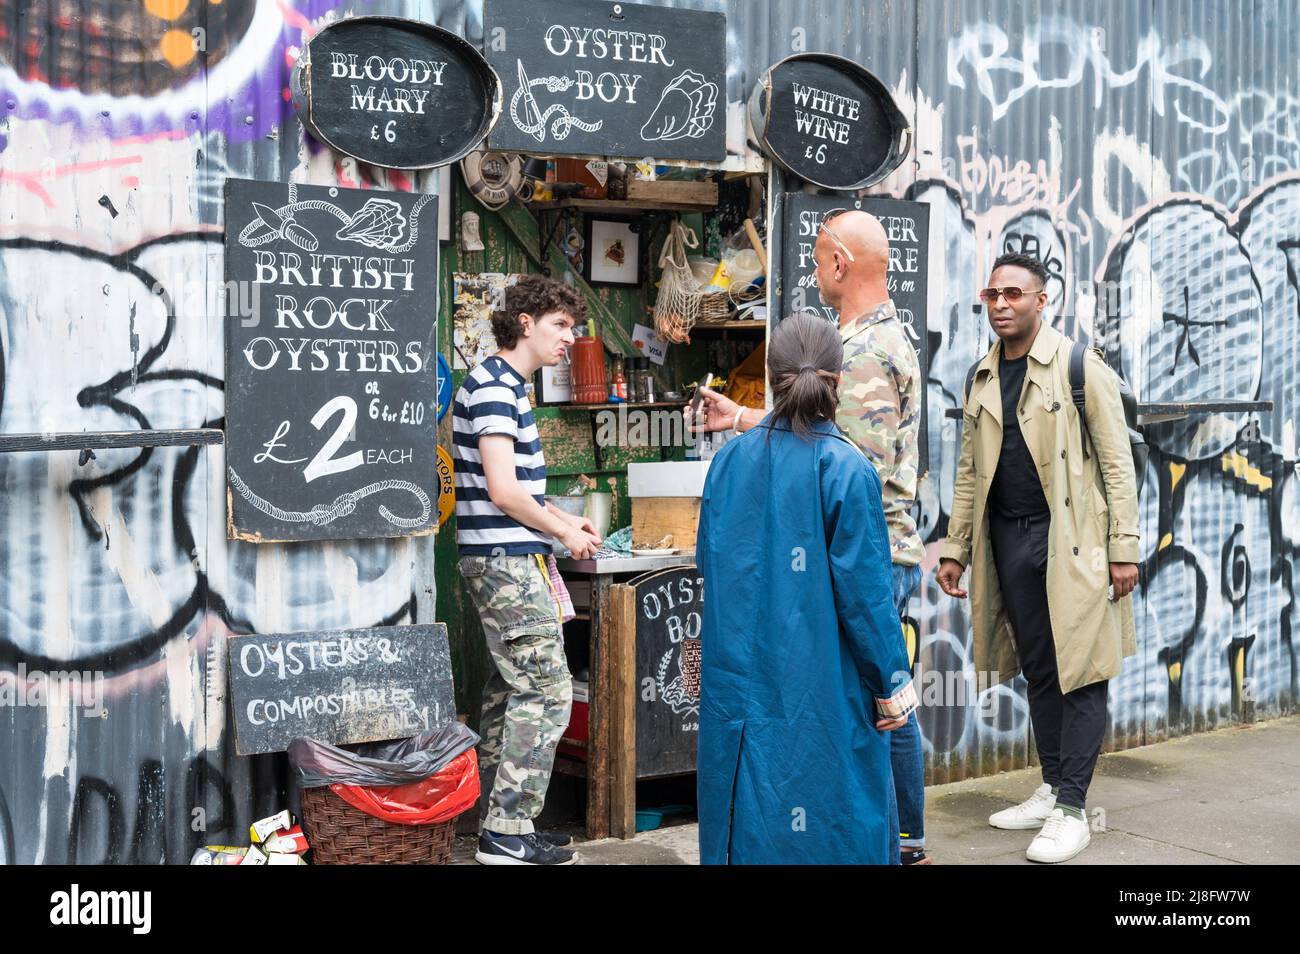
{"points": [[534, 120]]}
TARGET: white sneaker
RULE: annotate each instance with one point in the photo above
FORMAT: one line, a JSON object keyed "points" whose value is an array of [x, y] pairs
{"points": [[1030, 813], [1063, 836]]}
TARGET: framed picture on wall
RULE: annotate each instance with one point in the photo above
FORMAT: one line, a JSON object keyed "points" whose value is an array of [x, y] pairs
{"points": [[613, 253], [557, 383]]}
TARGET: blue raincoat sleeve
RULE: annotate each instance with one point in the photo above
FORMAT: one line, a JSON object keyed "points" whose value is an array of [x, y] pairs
{"points": [[702, 542], [857, 543]]}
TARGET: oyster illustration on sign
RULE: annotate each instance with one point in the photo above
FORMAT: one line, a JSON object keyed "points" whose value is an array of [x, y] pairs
{"points": [[272, 224], [685, 109], [379, 223]]}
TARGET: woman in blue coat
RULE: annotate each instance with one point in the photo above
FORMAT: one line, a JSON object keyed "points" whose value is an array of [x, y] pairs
{"points": [[803, 666]]}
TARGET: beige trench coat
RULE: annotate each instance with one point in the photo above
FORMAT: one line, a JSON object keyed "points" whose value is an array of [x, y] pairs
{"points": [[1093, 504]]}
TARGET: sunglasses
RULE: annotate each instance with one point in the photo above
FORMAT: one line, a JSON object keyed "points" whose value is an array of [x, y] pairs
{"points": [[1011, 293], [835, 238]]}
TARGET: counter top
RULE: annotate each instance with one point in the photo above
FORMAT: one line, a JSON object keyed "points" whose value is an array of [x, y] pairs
{"points": [[624, 564]]}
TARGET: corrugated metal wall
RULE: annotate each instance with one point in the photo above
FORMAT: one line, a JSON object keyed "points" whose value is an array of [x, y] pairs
{"points": [[116, 135], [1153, 145]]}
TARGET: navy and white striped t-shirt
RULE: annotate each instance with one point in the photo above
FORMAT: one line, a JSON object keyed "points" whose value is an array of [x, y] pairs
{"points": [[492, 400]]}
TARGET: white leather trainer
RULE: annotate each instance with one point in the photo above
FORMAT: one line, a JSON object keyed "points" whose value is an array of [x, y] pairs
{"points": [[1030, 813]]}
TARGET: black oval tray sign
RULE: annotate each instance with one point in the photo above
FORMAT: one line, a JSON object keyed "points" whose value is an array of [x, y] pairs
{"points": [[331, 372], [608, 79], [669, 614], [829, 121], [396, 93]]}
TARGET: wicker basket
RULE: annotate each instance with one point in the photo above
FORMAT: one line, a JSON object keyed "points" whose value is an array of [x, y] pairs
{"points": [[342, 835], [721, 306]]}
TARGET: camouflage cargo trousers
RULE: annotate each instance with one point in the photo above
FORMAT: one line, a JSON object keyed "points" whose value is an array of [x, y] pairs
{"points": [[527, 699]]}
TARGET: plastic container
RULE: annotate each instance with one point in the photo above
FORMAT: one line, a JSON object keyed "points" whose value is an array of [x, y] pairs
{"points": [[588, 359], [745, 267], [599, 510], [648, 819], [576, 506], [702, 269]]}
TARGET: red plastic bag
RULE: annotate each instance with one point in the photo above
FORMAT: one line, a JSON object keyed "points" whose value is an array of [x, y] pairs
{"points": [[433, 800]]}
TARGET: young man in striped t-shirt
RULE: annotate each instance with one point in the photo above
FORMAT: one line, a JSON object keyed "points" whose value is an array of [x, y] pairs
{"points": [[504, 529]]}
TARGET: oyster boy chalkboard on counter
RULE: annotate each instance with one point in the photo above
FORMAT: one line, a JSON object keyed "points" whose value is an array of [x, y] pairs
{"points": [[669, 610], [608, 79], [331, 372]]}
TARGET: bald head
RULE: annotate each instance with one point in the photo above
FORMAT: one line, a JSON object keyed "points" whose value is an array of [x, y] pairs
{"points": [[865, 238], [843, 282]]}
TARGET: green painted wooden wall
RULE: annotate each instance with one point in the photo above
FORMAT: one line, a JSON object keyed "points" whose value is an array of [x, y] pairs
{"points": [[512, 242]]}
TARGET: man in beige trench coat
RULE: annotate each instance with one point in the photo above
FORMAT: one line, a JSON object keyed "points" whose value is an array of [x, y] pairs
{"points": [[1047, 521]]}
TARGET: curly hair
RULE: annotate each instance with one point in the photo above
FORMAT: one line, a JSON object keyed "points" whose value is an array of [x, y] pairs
{"points": [[1027, 262], [534, 295]]}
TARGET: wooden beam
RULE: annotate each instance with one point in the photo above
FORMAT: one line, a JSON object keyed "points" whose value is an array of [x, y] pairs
{"points": [[599, 711], [523, 227], [620, 206], [622, 731]]}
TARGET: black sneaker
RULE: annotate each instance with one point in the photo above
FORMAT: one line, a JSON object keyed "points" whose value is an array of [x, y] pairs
{"points": [[556, 839], [531, 849]]}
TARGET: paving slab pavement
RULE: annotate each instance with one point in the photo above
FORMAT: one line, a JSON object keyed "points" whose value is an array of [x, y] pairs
{"points": [[1226, 797]]}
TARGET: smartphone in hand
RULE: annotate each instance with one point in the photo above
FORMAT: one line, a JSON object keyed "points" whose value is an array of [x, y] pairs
{"points": [[697, 400]]}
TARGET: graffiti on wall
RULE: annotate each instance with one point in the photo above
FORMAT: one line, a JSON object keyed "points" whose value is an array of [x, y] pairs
{"points": [[115, 561], [1157, 182], [1192, 294]]}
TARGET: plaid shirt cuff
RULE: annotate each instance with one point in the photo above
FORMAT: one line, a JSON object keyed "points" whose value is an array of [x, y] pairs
{"points": [[901, 703]]}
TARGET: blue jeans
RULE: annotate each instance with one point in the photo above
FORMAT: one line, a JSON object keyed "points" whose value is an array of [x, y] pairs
{"points": [[905, 751]]}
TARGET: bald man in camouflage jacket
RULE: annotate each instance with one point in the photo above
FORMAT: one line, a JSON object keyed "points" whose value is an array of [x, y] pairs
{"points": [[880, 409]]}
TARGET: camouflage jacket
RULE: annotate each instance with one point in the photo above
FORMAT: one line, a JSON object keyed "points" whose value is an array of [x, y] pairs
{"points": [[880, 409]]}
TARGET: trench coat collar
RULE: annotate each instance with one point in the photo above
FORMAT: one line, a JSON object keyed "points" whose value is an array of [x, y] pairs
{"points": [[1043, 351], [1042, 354], [1045, 344]]}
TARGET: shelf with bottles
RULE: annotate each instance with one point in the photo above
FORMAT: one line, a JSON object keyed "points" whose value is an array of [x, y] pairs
{"points": [[615, 405], [742, 324]]}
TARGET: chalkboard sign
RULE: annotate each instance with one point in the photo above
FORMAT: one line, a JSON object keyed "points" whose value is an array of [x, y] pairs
{"points": [[669, 612], [907, 225], [829, 121], [349, 685], [608, 79], [331, 375], [395, 92]]}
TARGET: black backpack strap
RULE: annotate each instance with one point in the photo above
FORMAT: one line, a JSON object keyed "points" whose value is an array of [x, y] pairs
{"points": [[970, 377], [1078, 351]]}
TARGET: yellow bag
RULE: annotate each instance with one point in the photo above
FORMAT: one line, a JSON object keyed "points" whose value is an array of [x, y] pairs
{"points": [[747, 385]]}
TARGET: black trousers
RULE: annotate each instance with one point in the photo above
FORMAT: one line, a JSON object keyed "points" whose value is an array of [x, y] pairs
{"points": [[1068, 727]]}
